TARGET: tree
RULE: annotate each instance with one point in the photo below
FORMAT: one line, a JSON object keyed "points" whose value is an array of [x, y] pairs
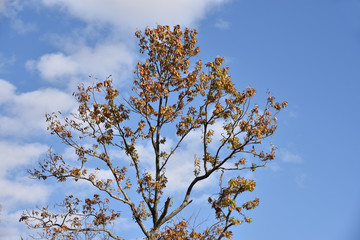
{"points": [[170, 93]]}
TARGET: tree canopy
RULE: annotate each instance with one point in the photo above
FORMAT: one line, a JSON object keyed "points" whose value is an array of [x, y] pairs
{"points": [[173, 96]]}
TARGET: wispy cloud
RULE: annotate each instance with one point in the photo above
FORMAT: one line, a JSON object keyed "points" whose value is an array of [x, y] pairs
{"points": [[7, 7], [128, 15], [7, 91], [13, 155], [274, 166], [15, 187], [5, 61], [300, 179], [10, 9], [292, 114], [109, 56], [102, 60], [2, 5], [22, 116], [289, 157], [222, 24], [9, 227], [23, 113], [22, 27]]}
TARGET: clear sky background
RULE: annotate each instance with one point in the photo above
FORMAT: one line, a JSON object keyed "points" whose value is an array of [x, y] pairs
{"points": [[306, 52]]}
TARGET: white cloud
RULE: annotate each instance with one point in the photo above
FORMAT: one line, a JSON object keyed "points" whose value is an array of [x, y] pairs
{"points": [[202, 199], [7, 91], [13, 155], [69, 154], [52, 66], [16, 188], [15, 192], [101, 174], [129, 15], [222, 24], [180, 168], [14, 184], [9, 225], [126, 223], [102, 60], [287, 156], [110, 57], [24, 113]]}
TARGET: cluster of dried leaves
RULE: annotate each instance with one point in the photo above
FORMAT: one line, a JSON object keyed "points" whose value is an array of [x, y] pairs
{"points": [[168, 92]]}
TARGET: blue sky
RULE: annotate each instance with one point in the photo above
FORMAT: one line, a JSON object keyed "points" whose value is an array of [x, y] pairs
{"points": [[306, 52]]}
